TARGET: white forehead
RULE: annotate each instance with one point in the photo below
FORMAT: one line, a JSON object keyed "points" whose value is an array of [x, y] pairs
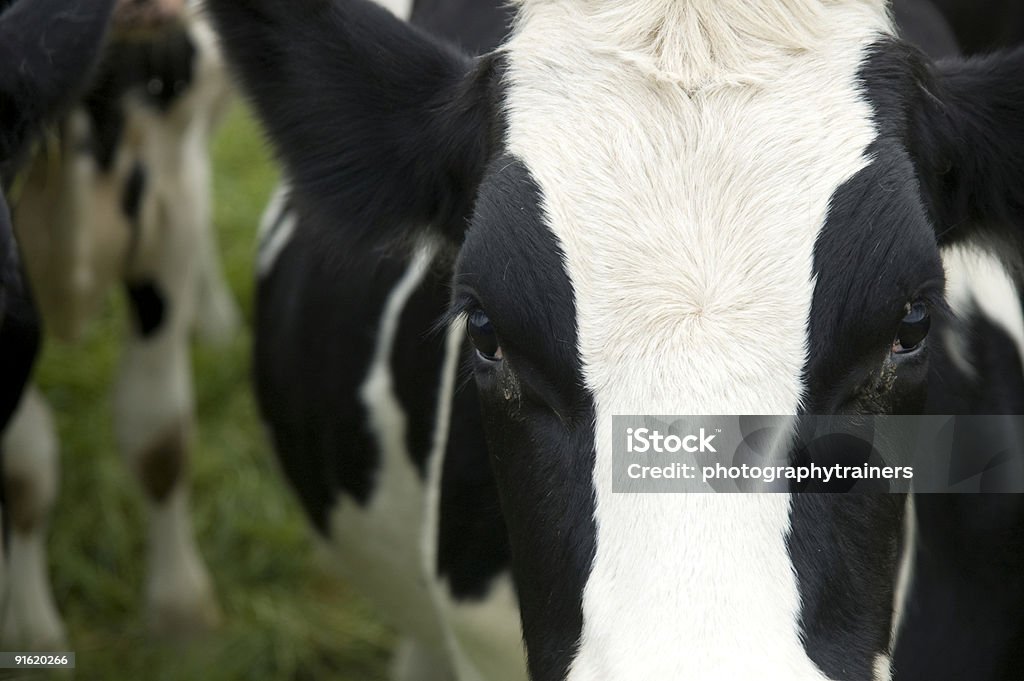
{"points": [[686, 151]]}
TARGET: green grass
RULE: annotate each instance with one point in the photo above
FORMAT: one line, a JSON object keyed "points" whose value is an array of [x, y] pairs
{"points": [[285, 616]]}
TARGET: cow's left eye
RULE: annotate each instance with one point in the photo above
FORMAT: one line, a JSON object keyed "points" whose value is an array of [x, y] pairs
{"points": [[481, 333], [913, 329]]}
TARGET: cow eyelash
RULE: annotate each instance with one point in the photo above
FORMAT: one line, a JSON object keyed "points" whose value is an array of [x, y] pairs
{"points": [[461, 307], [933, 296]]}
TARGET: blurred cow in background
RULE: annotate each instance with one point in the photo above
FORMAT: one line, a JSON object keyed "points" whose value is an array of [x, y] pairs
{"points": [[120, 193], [36, 82], [47, 50]]}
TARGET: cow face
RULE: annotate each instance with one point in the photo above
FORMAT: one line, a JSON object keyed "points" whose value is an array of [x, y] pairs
{"points": [[665, 207]]}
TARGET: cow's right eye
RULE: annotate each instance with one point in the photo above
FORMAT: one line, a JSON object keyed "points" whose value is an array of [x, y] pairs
{"points": [[482, 335]]}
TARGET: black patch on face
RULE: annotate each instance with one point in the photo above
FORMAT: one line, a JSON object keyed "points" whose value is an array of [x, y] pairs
{"points": [[538, 416], [845, 551], [149, 306], [879, 250], [472, 542], [875, 254]]}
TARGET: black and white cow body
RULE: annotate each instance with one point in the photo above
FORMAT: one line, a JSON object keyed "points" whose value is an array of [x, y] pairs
{"points": [[47, 50], [118, 195], [684, 207], [385, 415], [36, 83]]}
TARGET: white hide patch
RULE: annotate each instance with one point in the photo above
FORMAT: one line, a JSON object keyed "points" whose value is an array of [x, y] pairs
{"points": [[277, 226], [687, 198]]}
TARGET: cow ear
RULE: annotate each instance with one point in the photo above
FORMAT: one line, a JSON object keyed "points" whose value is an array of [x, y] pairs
{"points": [[47, 48], [381, 127], [972, 150]]}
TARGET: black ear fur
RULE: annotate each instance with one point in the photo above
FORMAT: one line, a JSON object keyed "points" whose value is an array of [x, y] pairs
{"points": [[47, 48], [382, 128], [970, 133]]}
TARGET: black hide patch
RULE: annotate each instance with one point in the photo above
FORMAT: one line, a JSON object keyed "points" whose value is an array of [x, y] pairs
{"points": [[47, 49], [416, 362], [845, 552], [537, 415], [472, 542], [133, 192], [318, 315], [939, 174], [477, 26], [964, 616], [875, 254], [982, 26], [149, 306], [19, 322], [377, 122]]}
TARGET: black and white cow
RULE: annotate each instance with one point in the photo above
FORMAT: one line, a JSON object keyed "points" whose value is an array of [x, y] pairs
{"points": [[47, 49], [648, 206], [120, 196]]}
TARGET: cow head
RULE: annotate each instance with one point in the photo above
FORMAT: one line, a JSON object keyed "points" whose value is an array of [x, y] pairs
{"points": [[664, 207]]}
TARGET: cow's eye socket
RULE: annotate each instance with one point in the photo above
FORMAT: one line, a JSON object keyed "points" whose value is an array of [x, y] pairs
{"points": [[481, 333], [913, 329]]}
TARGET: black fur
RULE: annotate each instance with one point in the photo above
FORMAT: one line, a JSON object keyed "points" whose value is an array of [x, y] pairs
{"points": [[47, 48], [472, 542], [959, 122], [846, 591], [982, 26], [476, 26], [408, 154], [537, 415], [19, 324], [134, 190], [149, 307], [313, 345]]}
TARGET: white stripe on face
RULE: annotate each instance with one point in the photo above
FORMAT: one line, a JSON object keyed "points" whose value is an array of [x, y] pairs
{"points": [[688, 217]]}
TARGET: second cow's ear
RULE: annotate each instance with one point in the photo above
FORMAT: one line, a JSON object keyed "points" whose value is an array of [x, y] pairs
{"points": [[971, 151], [47, 47], [382, 128]]}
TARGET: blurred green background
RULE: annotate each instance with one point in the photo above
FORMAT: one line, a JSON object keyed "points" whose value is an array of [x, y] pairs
{"points": [[286, 616]]}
